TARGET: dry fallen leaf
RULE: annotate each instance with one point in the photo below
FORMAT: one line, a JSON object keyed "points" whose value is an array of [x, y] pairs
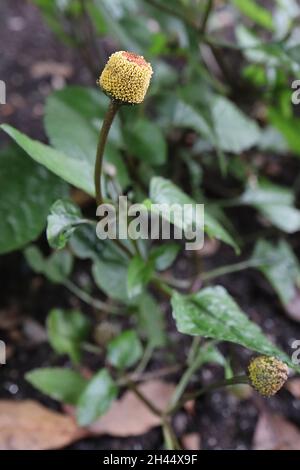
{"points": [[27, 425], [273, 432], [129, 416], [44, 69], [191, 441], [293, 387]]}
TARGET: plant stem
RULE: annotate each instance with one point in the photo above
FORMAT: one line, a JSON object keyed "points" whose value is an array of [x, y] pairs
{"points": [[156, 374], [207, 12], [162, 287], [171, 442], [91, 348], [144, 399], [193, 349], [106, 125], [145, 359], [183, 383], [171, 11], [232, 268], [108, 120], [88, 299], [173, 282], [237, 380]]}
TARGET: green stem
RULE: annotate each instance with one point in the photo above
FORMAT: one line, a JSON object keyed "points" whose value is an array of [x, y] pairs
{"points": [[169, 9], [162, 287], [237, 380], [193, 349], [232, 268], [108, 120], [88, 299], [173, 282], [143, 399], [205, 19], [145, 359], [171, 442], [91, 348], [183, 383]]}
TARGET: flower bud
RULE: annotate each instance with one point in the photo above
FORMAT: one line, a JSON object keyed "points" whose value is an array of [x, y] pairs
{"points": [[267, 375], [126, 77]]}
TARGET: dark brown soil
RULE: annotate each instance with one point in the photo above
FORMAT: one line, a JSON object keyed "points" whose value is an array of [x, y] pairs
{"points": [[221, 419]]}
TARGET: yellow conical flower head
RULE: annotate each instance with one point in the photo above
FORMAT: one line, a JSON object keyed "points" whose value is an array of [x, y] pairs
{"points": [[126, 77], [267, 375]]}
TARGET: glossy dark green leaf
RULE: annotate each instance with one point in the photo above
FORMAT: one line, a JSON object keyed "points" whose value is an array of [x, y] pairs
{"points": [[151, 320], [27, 190], [79, 173], [57, 267], [145, 140], [111, 277], [275, 203], [163, 191], [116, 29], [66, 331], [139, 274], [125, 350], [212, 313], [165, 255], [227, 128], [281, 268], [289, 128], [97, 398], [81, 110], [255, 12], [63, 219], [64, 385]]}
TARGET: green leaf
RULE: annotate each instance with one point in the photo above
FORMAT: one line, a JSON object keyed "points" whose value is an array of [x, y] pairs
{"points": [[165, 255], [60, 384], [56, 267], [275, 203], [255, 12], [52, 10], [281, 268], [63, 219], [66, 331], [226, 127], [213, 313], [111, 277], [139, 274], [151, 320], [163, 191], [125, 350], [79, 173], [234, 130], [97, 398], [85, 244], [35, 259], [27, 190], [82, 110], [146, 141], [294, 53], [116, 30], [209, 354], [288, 127]]}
